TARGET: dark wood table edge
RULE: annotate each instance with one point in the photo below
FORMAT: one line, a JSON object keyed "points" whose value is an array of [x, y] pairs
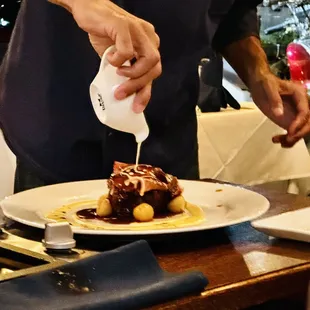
{"points": [[260, 287]]}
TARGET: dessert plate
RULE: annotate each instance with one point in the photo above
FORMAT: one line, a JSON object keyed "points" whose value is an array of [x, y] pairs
{"points": [[220, 205]]}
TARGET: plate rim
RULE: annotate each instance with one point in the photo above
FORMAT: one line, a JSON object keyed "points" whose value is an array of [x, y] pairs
{"points": [[105, 232]]}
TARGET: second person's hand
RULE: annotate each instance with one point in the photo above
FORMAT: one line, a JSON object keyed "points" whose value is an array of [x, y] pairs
{"points": [[286, 104]]}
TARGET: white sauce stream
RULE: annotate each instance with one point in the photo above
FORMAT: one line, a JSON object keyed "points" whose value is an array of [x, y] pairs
{"points": [[138, 153], [135, 180]]}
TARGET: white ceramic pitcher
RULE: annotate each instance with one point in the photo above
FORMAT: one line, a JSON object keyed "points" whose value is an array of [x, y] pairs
{"points": [[117, 114]]}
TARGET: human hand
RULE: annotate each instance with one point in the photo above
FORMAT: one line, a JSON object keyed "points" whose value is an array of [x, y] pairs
{"points": [[286, 104], [107, 24]]}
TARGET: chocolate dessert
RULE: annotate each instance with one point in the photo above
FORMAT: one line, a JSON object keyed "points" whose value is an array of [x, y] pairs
{"points": [[140, 192]]}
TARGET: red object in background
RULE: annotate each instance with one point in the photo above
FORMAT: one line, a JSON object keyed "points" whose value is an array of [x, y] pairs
{"points": [[298, 57]]}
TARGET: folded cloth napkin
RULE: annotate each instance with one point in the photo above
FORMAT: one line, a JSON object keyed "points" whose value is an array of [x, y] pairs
{"points": [[128, 277]]}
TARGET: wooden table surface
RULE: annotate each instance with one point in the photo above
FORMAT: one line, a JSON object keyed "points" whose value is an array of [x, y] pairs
{"points": [[244, 267]]}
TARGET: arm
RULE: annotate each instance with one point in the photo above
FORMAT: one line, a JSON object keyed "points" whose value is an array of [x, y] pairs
{"points": [[251, 62], [284, 102]]}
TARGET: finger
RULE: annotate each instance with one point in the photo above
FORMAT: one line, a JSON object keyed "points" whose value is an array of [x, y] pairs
{"points": [[100, 44], [124, 46], [277, 139], [143, 64], [142, 99], [147, 56], [285, 140], [134, 85], [282, 139], [277, 105], [301, 133], [268, 92], [276, 102], [300, 101], [151, 33], [141, 67], [288, 144]]}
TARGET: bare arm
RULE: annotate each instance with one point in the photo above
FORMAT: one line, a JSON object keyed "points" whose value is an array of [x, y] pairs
{"points": [[249, 60], [284, 102]]}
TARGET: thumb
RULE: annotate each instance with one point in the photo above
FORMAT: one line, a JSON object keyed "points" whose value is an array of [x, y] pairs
{"points": [[276, 102], [277, 106], [266, 95]]}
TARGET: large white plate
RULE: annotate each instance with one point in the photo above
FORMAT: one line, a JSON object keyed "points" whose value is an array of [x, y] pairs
{"points": [[223, 205]]}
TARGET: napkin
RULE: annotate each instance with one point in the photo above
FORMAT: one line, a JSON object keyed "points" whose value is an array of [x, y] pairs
{"points": [[128, 277]]}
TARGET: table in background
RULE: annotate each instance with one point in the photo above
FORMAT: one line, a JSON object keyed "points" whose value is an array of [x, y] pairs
{"points": [[236, 146]]}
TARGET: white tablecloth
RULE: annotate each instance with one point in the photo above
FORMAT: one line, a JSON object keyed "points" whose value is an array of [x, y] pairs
{"points": [[236, 146]]}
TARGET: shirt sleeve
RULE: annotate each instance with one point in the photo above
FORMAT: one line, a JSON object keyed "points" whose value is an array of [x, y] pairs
{"points": [[240, 22]]}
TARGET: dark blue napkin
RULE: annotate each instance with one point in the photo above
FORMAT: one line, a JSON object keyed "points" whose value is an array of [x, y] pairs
{"points": [[128, 277]]}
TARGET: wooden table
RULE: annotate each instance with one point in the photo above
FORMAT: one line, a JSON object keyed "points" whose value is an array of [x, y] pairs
{"points": [[244, 266]]}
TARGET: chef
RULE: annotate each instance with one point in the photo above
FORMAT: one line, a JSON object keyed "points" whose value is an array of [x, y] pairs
{"points": [[45, 110]]}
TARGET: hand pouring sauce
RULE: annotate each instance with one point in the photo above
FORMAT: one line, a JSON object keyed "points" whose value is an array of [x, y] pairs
{"points": [[117, 114]]}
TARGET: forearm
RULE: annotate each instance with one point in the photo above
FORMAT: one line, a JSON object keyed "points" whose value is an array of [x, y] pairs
{"points": [[248, 59]]}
